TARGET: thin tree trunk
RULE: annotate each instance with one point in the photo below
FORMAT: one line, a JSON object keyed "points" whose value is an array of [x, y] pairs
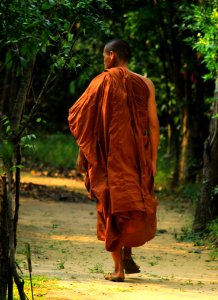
{"points": [[4, 92], [17, 193], [4, 239], [10, 284], [8, 208], [184, 143], [194, 124], [207, 207], [19, 103], [186, 156], [16, 116], [11, 232], [18, 280]]}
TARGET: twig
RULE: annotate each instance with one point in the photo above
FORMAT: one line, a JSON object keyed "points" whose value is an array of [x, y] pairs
{"points": [[28, 254]]}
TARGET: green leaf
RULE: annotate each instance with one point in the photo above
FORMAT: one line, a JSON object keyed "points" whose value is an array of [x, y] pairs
{"points": [[28, 137], [215, 116], [8, 128], [23, 62], [38, 120], [69, 37], [6, 150], [8, 60], [6, 122], [13, 168], [72, 87], [46, 6], [52, 2]]}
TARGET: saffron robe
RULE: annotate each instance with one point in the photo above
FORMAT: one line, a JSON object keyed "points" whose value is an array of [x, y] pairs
{"points": [[110, 124]]}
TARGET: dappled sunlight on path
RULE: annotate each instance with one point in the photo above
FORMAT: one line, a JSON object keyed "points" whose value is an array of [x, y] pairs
{"points": [[75, 185]]}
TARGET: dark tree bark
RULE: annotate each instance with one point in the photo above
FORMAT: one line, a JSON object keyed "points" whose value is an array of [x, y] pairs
{"points": [[207, 207], [19, 102], [4, 238], [171, 53], [9, 216], [10, 201], [195, 124]]}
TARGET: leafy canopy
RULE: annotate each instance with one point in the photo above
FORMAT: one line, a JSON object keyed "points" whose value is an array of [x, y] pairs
{"points": [[204, 25], [36, 27]]}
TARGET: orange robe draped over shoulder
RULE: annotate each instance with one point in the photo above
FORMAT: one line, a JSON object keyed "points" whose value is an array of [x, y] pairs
{"points": [[110, 124]]}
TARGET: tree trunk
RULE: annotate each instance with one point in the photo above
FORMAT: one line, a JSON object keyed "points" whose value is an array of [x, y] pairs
{"points": [[184, 143], [19, 102], [194, 125], [207, 207], [185, 70], [4, 239], [9, 207], [171, 55]]}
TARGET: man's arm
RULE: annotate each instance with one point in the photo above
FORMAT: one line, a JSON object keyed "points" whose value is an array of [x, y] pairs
{"points": [[153, 124]]}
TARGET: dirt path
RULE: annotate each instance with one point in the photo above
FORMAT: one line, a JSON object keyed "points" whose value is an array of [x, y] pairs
{"points": [[64, 246]]}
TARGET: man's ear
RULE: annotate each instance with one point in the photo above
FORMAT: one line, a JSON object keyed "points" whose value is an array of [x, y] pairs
{"points": [[112, 55]]}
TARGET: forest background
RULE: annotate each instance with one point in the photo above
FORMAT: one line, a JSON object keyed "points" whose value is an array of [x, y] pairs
{"points": [[50, 51]]}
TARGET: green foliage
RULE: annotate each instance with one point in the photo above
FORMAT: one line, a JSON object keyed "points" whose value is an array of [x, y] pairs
{"points": [[98, 268], [165, 166], [5, 126], [54, 151], [6, 150], [213, 254], [212, 228], [214, 191], [208, 237], [49, 27], [203, 22], [6, 147], [61, 266], [26, 140], [190, 191], [188, 235], [41, 284]]}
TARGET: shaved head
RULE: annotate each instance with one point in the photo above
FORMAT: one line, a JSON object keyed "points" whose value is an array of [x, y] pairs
{"points": [[120, 47]]}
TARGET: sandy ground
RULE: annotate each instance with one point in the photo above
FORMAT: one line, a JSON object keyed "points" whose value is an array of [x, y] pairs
{"points": [[64, 246]]}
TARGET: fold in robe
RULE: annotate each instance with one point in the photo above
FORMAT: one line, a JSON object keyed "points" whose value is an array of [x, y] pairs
{"points": [[110, 124]]}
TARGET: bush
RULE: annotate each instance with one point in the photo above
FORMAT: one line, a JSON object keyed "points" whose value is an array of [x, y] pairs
{"points": [[51, 150]]}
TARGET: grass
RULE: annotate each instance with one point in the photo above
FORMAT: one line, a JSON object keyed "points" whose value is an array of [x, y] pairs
{"points": [[165, 165], [164, 178], [60, 150], [155, 260], [61, 266], [208, 238], [41, 286], [210, 234], [54, 151], [98, 268], [188, 235]]}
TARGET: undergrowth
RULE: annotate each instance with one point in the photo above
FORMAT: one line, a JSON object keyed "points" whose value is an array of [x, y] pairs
{"points": [[208, 237], [55, 151], [41, 286]]}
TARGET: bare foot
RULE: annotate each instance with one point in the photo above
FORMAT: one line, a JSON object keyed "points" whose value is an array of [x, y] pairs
{"points": [[115, 277]]}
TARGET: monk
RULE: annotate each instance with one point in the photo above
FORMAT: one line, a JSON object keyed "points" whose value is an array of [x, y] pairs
{"points": [[116, 126]]}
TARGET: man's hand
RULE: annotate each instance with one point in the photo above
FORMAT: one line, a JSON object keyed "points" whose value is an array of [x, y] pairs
{"points": [[153, 166], [81, 163]]}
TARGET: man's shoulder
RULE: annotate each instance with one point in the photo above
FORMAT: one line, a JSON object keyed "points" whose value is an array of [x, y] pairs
{"points": [[98, 80], [147, 81], [144, 78], [99, 76]]}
